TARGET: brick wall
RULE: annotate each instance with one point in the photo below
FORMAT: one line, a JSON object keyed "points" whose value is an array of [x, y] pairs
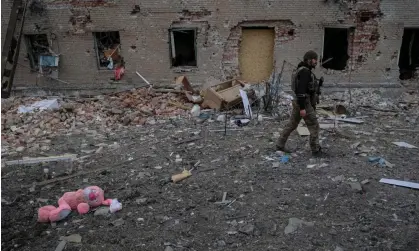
{"points": [[145, 40]]}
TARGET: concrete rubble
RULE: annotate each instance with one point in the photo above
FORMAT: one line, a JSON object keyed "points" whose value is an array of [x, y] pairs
{"points": [[239, 191], [31, 131]]}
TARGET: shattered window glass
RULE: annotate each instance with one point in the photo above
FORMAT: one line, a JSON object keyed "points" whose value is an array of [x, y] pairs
{"points": [[36, 45], [108, 49]]}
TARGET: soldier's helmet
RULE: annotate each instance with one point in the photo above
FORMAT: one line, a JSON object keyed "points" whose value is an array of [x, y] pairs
{"points": [[310, 55]]}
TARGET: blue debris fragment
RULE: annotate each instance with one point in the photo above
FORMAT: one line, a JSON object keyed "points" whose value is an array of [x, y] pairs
{"points": [[380, 162], [285, 159]]}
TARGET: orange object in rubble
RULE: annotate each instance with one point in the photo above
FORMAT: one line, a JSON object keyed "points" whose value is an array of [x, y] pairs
{"points": [[181, 176]]}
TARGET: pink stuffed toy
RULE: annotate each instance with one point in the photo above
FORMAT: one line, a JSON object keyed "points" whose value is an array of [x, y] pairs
{"points": [[82, 200]]}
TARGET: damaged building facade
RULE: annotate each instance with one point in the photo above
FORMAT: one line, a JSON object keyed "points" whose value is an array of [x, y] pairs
{"points": [[85, 43]]}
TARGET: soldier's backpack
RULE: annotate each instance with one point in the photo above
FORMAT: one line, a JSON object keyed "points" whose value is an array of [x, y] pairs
{"points": [[294, 80]]}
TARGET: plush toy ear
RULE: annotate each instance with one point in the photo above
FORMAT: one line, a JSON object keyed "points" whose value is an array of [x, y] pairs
{"points": [[107, 202]]}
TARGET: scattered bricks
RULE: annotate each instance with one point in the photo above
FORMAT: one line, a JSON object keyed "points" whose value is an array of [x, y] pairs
{"points": [[102, 114]]}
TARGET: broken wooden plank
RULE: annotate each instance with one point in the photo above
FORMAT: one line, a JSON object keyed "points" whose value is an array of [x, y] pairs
{"points": [[145, 80], [167, 91], [223, 201], [404, 144], [187, 140], [325, 113], [46, 182], [378, 109], [331, 126], [27, 160], [207, 170], [400, 129], [348, 120], [222, 130], [400, 183], [185, 82]]}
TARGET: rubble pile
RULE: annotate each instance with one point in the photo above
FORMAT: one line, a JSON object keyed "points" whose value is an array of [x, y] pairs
{"points": [[102, 113], [399, 102]]}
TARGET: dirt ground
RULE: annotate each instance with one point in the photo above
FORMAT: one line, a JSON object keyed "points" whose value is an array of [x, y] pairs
{"points": [[264, 193]]}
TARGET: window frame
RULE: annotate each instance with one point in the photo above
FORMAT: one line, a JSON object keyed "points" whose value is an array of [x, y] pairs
{"points": [[30, 50], [172, 49], [94, 34]]}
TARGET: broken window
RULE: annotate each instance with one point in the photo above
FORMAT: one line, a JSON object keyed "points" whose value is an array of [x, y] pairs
{"points": [[107, 45], [335, 48], [183, 47], [409, 53], [36, 46]]}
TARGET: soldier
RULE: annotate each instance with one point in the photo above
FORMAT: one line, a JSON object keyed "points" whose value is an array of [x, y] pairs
{"points": [[304, 104]]}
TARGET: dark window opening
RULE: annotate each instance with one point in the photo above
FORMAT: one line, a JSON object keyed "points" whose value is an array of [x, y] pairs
{"points": [[409, 54], [335, 48], [36, 46], [107, 45], [183, 47]]}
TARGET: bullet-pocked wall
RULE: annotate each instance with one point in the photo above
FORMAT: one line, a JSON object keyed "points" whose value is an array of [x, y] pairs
{"points": [[202, 40]]}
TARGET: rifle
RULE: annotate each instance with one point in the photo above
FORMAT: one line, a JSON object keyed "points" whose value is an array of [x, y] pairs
{"points": [[318, 83]]}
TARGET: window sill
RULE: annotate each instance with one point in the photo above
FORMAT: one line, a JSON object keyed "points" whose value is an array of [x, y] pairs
{"points": [[105, 70], [179, 69]]}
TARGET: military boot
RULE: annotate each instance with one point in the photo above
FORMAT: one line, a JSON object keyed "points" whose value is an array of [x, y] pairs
{"points": [[283, 148], [319, 153]]}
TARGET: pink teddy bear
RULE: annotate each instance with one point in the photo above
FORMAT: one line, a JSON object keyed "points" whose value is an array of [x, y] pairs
{"points": [[82, 200]]}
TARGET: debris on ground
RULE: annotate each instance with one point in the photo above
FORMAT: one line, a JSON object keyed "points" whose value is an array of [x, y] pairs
{"points": [[181, 176], [28, 160], [224, 95], [356, 186], [294, 224], [338, 249], [102, 211], [61, 246], [131, 143], [381, 162], [99, 115], [74, 238], [40, 106], [115, 206], [404, 144], [400, 183], [118, 222], [247, 229], [303, 131], [285, 158]]}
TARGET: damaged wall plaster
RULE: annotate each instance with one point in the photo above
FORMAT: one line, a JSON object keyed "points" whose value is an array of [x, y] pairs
{"points": [[364, 38], [194, 15], [80, 21]]}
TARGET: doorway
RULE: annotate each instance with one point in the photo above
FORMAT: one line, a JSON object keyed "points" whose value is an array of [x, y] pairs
{"points": [[409, 53], [256, 54]]}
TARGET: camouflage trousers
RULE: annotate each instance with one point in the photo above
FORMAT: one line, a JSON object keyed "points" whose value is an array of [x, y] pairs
{"points": [[311, 121]]}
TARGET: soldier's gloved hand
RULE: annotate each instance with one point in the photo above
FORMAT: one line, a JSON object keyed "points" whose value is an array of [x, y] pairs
{"points": [[303, 113], [321, 81]]}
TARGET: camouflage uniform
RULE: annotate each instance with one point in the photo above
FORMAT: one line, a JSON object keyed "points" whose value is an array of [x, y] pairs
{"points": [[311, 121], [304, 95]]}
